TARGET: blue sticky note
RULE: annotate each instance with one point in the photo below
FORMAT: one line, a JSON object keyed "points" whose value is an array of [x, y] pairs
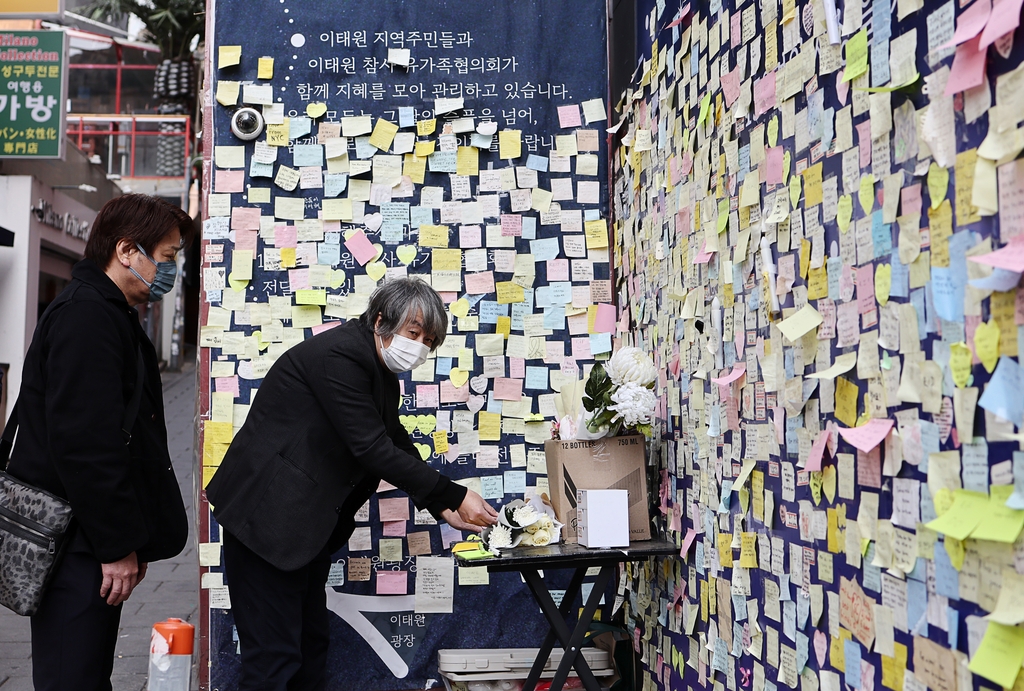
{"points": [[900, 287], [789, 620], [327, 253], [881, 235], [538, 163], [515, 481], [851, 651], [554, 318], [493, 404], [600, 343], [335, 184], [481, 141], [591, 214], [443, 366], [1002, 393], [917, 606], [308, 155], [739, 607], [726, 496], [536, 378], [299, 127], [947, 579], [260, 170], [947, 294], [406, 116], [802, 647], [364, 149], [927, 505], [443, 162], [529, 227], [492, 487], [421, 216], [917, 299], [544, 249], [737, 636]]}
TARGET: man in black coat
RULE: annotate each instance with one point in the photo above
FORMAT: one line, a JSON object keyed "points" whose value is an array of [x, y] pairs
{"points": [[79, 375], [321, 434]]}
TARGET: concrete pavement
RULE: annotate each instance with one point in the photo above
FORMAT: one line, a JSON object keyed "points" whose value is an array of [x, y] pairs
{"points": [[170, 587]]}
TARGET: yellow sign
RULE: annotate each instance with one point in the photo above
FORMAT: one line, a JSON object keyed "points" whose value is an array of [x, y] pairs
{"points": [[33, 9]]}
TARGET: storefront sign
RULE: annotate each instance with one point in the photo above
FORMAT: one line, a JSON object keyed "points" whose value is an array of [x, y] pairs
{"points": [[33, 89], [71, 225], [31, 9]]}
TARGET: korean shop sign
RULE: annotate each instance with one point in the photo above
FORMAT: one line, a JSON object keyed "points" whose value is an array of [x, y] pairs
{"points": [[33, 90]]}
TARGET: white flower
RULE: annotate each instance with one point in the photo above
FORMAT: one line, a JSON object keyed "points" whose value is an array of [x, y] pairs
{"points": [[540, 538], [500, 537], [634, 404], [631, 366], [524, 515]]}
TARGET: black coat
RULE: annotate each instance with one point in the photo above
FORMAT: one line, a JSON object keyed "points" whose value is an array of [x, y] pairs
{"points": [[79, 374], [321, 433]]}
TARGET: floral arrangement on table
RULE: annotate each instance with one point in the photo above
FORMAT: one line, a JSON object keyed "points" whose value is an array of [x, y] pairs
{"points": [[618, 398], [522, 524]]}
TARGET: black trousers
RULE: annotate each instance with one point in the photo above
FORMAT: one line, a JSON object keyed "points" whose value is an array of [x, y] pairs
{"points": [[282, 620], [74, 633]]}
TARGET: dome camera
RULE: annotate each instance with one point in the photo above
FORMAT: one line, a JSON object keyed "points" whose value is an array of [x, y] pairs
{"points": [[247, 124]]}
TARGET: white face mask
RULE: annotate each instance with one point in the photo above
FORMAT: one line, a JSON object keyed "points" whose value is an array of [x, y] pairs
{"points": [[403, 354]]}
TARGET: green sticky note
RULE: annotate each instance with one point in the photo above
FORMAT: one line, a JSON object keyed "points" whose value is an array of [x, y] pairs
{"points": [[705, 107], [1000, 523], [967, 511], [1000, 655], [723, 215], [856, 55]]}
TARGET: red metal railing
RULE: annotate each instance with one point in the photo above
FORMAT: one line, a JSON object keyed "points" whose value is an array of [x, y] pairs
{"points": [[80, 127]]}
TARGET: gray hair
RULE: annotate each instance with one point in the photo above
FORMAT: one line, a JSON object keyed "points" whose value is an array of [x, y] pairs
{"points": [[398, 301]]}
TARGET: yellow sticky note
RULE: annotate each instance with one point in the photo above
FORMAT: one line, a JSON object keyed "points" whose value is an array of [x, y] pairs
{"points": [[597, 234], [999, 522], [227, 92], [509, 293], [856, 55], [337, 209], [510, 144], [846, 402], [725, 550], [440, 441], [383, 134], [467, 161], [288, 257], [228, 56], [415, 167], [986, 344], [229, 156], [812, 185], [960, 363], [306, 316], [424, 149], [241, 265], [446, 259], [277, 135], [434, 236], [425, 128], [265, 68], [504, 326], [748, 550], [963, 516], [1000, 654], [489, 425], [311, 297]]}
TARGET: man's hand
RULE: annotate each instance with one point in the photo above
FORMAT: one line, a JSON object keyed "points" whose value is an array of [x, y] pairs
{"points": [[474, 514], [119, 579]]}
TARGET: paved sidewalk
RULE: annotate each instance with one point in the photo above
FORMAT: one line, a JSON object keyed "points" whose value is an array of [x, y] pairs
{"points": [[170, 587]]}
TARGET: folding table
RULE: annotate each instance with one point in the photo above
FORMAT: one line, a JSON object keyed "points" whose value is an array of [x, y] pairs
{"points": [[529, 560]]}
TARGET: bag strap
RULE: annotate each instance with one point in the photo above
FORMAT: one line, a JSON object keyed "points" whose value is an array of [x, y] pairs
{"points": [[131, 412], [7, 440]]}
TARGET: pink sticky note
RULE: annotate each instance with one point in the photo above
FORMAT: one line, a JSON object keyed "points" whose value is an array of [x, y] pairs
{"points": [[817, 451], [506, 389], [469, 237], [479, 283], [394, 509], [285, 236], [517, 368], [764, 94], [246, 239], [738, 370], [865, 288], [581, 348], [298, 279], [558, 270], [227, 384], [970, 23], [691, 535], [511, 225], [361, 248], [731, 86], [604, 322], [427, 396], [394, 528], [569, 116], [1010, 257], [968, 69], [245, 218], [1005, 18], [774, 160], [392, 582], [229, 181], [450, 394], [326, 326], [868, 435], [864, 142]]}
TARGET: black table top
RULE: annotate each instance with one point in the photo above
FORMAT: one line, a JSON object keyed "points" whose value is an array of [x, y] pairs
{"points": [[568, 556]]}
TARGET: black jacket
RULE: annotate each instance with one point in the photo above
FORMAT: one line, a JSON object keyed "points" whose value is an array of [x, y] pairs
{"points": [[321, 433], [79, 374]]}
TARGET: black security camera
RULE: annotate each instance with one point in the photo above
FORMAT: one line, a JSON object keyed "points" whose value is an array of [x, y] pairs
{"points": [[247, 123]]}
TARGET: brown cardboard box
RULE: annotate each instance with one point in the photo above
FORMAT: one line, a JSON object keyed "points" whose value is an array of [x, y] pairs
{"points": [[609, 463]]}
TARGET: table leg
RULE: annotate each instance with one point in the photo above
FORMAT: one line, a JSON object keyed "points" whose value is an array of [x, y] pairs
{"points": [[558, 628], [572, 656]]}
